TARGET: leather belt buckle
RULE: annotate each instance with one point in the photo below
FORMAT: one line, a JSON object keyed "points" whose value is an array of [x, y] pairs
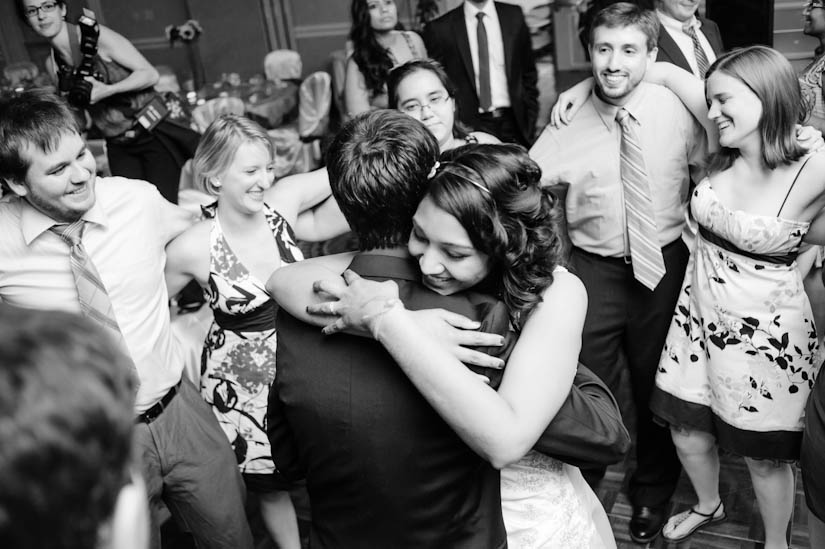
{"points": [[495, 113], [157, 409]]}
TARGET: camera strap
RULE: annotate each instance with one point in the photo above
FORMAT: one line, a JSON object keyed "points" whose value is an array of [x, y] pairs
{"points": [[89, 33], [83, 51]]}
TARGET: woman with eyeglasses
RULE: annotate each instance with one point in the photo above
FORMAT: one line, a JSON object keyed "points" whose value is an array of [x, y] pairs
{"points": [[422, 89], [378, 46], [107, 77]]}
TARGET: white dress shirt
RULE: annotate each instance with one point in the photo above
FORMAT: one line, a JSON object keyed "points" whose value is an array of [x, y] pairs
{"points": [[675, 29], [495, 47], [125, 237]]}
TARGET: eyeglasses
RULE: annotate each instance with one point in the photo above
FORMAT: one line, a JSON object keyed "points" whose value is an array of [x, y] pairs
{"points": [[814, 4], [45, 7], [418, 108]]}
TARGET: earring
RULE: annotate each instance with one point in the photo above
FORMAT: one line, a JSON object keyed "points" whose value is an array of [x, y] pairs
{"points": [[214, 185]]}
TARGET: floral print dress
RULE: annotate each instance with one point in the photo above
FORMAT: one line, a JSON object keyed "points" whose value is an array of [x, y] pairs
{"points": [[742, 353], [238, 361]]}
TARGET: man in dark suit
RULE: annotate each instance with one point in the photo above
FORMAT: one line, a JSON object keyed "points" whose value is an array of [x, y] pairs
{"points": [[686, 39], [382, 468], [500, 96]]}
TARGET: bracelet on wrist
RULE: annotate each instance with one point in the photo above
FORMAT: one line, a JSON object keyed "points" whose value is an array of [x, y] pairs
{"points": [[388, 305]]}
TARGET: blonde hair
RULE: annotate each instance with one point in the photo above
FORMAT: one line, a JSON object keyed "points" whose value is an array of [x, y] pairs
{"points": [[218, 146]]}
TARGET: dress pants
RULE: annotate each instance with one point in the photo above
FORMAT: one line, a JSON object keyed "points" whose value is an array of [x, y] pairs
{"points": [[187, 461], [624, 317]]}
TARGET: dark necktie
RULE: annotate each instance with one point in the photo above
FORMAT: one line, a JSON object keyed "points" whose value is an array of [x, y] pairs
{"points": [[645, 251], [91, 293], [701, 58], [485, 95]]}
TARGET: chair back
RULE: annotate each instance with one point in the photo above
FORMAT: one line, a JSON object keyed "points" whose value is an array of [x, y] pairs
{"points": [[314, 102], [205, 114], [283, 65]]}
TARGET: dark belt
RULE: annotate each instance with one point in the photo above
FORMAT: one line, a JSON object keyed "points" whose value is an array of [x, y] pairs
{"points": [[154, 412], [496, 113], [625, 260]]}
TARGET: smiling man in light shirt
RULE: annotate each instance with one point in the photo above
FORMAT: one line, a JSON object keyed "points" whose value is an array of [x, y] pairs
{"points": [[628, 314], [124, 226], [686, 39]]}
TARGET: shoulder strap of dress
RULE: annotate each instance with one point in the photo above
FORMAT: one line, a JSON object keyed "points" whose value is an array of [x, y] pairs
{"points": [[802, 167]]}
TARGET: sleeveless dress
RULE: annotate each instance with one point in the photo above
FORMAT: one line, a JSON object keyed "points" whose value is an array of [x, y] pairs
{"points": [[742, 353], [238, 361], [548, 504]]}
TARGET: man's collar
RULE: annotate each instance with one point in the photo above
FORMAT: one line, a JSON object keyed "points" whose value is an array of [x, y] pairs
{"points": [[607, 111], [470, 10], [378, 265], [674, 24], [33, 222]]}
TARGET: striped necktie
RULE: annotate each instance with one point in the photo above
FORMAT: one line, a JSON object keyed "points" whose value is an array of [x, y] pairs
{"points": [[645, 251], [701, 57], [91, 293], [485, 93]]}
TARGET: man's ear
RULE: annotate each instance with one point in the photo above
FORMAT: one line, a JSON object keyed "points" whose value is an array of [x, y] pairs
{"points": [[651, 55], [16, 187]]}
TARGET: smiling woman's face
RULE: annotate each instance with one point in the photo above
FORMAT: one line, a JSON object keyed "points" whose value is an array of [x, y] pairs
{"points": [[448, 260]]}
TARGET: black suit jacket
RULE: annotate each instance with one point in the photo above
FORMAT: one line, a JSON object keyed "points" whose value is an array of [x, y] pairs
{"points": [[669, 51], [447, 42], [382, 468]]}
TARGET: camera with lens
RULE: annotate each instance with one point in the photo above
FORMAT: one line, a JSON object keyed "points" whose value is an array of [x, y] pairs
{"points": [[78, 90]]}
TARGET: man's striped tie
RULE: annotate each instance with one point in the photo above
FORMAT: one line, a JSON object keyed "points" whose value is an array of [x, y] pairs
{"points": [[91, 293], [701, 57], [645, 251]]}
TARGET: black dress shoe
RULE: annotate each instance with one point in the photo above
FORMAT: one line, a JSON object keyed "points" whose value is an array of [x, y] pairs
{"points": [[646, 523]]}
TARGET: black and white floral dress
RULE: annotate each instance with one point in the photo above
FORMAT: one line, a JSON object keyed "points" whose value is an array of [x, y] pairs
{"points": [[238, 362], [742, 353]]}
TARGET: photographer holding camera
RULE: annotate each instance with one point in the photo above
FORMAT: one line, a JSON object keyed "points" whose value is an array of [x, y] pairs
{"points": [[100, 72]]}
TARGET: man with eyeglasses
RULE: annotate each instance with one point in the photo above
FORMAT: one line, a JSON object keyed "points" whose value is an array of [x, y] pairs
{"points": [[485, 48]]}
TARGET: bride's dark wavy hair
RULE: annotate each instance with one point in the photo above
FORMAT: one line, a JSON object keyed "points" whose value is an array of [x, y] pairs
{"points": [[372, 58], [494, 192]]}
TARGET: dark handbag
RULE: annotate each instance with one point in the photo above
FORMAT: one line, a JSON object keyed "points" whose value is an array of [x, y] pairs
{"points": [[588, 430]]}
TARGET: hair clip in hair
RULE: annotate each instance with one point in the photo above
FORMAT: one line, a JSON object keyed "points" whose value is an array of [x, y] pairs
{"points": [[434, 170]]}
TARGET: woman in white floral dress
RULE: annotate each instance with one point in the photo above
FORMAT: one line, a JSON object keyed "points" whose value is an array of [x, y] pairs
{"points": [[741, 354]]}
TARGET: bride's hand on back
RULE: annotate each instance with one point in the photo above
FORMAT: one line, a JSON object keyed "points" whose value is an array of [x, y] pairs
{"points": [[457, 333], [359, 305]]}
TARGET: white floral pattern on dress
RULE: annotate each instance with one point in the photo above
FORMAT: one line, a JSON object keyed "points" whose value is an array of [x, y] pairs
{"points": [[742, 340]]}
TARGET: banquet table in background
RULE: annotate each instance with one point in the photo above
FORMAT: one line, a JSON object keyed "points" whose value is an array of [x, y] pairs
{"points": [[271, 104]]}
